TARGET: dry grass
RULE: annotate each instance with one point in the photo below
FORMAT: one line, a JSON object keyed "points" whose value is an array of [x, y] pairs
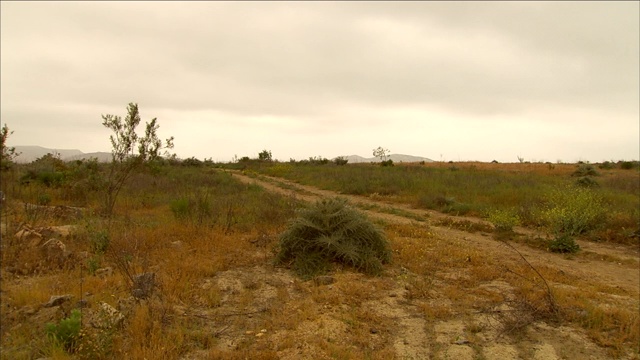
{"points": [[535, 168], [215, 285]]}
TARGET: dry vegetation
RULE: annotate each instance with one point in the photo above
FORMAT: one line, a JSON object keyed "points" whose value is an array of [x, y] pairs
{"points": [[210, 240]]}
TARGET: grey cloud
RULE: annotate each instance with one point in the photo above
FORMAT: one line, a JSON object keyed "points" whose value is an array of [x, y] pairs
{"points": [[302, 57], [313, 61]]}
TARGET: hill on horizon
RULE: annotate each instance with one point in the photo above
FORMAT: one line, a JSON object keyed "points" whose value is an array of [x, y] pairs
{"points": [[355, 159], [30, 153]]}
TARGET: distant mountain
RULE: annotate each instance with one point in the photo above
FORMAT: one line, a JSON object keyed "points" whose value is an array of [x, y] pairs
{"points": [[354, 159], [31, 153], [101, 156]]}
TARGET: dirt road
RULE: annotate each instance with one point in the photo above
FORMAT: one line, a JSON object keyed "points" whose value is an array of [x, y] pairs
{"points": [[608, 264], [465, 334]]}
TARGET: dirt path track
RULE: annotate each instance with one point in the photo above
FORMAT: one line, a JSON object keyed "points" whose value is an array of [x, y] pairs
{"points": [[465, 333], [624, 273]]}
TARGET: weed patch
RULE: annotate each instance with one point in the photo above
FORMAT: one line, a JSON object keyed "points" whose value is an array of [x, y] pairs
{"points": [[573, 210]]}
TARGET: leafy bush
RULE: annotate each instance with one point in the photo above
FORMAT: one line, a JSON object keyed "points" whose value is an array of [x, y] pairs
{"points": [[265, 155], [331, 231], [7, 154], [100, 241], [341, 160], [564, 244], [44, 199], [504, 220], [587, 181], [93, 264], [585, 170], [192, 161], [628, 165], [573, 210], [316, 160], [50, 178], [607, 165], [180, 208], [45, 177], [386, 163], [196, 208], [67, 331]]}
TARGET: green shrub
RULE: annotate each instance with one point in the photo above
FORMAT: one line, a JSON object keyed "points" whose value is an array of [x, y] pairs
{"points": [[341, 160], [319, 160], [265, 155], [192, 161], [628, 165], [196, 208], [45, 177], [66, 332], [607, 165], [44, 199], [93, 264], [435, 202], [504, 220], [564, 244], [203, 207], [587, 181], [180, 208], [443, 203], [457, 209], [573, 210], [386, 163], [100, 241], [331, 231], [50, 178], [585, 170]]}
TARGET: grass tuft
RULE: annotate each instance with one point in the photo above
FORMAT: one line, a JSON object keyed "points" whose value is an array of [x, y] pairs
{"points": [[330, 231]]}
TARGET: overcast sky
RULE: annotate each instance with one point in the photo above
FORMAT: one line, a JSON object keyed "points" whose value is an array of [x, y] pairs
{"points": [[545, 81]]}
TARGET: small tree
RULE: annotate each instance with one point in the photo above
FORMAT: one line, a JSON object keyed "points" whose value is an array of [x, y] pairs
{"points": [[265, 155], [8, 153], [381, 153], [6, 160], [124, 142]]}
